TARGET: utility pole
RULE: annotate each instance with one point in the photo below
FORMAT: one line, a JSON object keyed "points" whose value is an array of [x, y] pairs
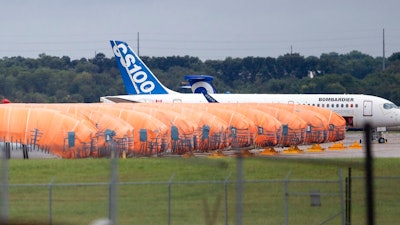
{"points": [[138, 44], [383, 48]]}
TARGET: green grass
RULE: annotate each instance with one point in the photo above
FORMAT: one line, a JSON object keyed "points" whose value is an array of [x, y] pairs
{"points": [[263, 202]]}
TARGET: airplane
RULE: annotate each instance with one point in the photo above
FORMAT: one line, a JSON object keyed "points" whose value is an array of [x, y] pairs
{"points": [[143, 86]]}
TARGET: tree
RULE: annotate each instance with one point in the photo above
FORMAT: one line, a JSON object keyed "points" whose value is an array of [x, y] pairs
{"points": [[394, 57], [359, 64], [54, 79], [252, 67], [292, 65], [331, 64], [394, 63], [231, 70]]}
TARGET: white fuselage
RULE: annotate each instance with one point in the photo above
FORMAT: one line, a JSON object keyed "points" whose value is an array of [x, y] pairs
{"points": [[357, 109]]}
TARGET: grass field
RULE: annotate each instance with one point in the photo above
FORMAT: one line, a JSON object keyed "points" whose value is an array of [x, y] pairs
{"points": [[196, 203]]}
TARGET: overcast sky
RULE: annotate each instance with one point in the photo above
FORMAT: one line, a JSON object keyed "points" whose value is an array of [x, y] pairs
{"points": [[208, 29]]}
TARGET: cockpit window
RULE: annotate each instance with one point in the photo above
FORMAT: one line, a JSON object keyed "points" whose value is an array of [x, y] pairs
{"points": [[390, 106]]}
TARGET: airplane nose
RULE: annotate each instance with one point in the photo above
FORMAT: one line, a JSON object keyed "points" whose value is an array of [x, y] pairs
{"points": [[396, 117]]}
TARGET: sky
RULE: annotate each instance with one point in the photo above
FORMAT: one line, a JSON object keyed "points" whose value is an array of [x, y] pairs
{"points": [[208, 29]]}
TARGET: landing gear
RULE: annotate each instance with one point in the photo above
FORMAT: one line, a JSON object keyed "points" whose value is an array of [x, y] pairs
{"points": [[379, 135], [382, 140]]}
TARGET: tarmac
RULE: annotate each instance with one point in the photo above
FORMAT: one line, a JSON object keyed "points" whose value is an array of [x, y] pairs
{"points": [[17, 153], [353, 146]]}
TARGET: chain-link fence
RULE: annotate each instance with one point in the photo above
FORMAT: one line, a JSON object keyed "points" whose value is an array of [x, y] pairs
{"points": [[229, 201]]}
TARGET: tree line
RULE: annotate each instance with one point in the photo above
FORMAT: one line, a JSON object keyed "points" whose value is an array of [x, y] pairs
{"points": [[51, 79]]}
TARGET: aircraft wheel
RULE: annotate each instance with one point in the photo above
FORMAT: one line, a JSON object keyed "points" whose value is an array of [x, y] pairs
{"points": [[381, 140]]}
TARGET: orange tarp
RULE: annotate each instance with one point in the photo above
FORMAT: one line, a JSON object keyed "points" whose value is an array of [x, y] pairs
{"points": [[154, 127], [211, 129], [296, 125], [336, 123], [19, 124], [198, 126]]}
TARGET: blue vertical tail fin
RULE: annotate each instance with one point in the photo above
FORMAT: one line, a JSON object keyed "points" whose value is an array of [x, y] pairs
{"points": [[201, 84], [137, 77]]}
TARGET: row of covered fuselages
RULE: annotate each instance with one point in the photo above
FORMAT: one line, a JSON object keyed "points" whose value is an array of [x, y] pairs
{"points": [[145, 128]]}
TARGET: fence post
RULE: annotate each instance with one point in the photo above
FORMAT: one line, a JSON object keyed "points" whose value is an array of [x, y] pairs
{"points": [[348, 197], [4, 186], [342, 208], [169, 198], [286, 198], [369, 177], [239, 188], [113, 195], [50, 188], [226, 198]]}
